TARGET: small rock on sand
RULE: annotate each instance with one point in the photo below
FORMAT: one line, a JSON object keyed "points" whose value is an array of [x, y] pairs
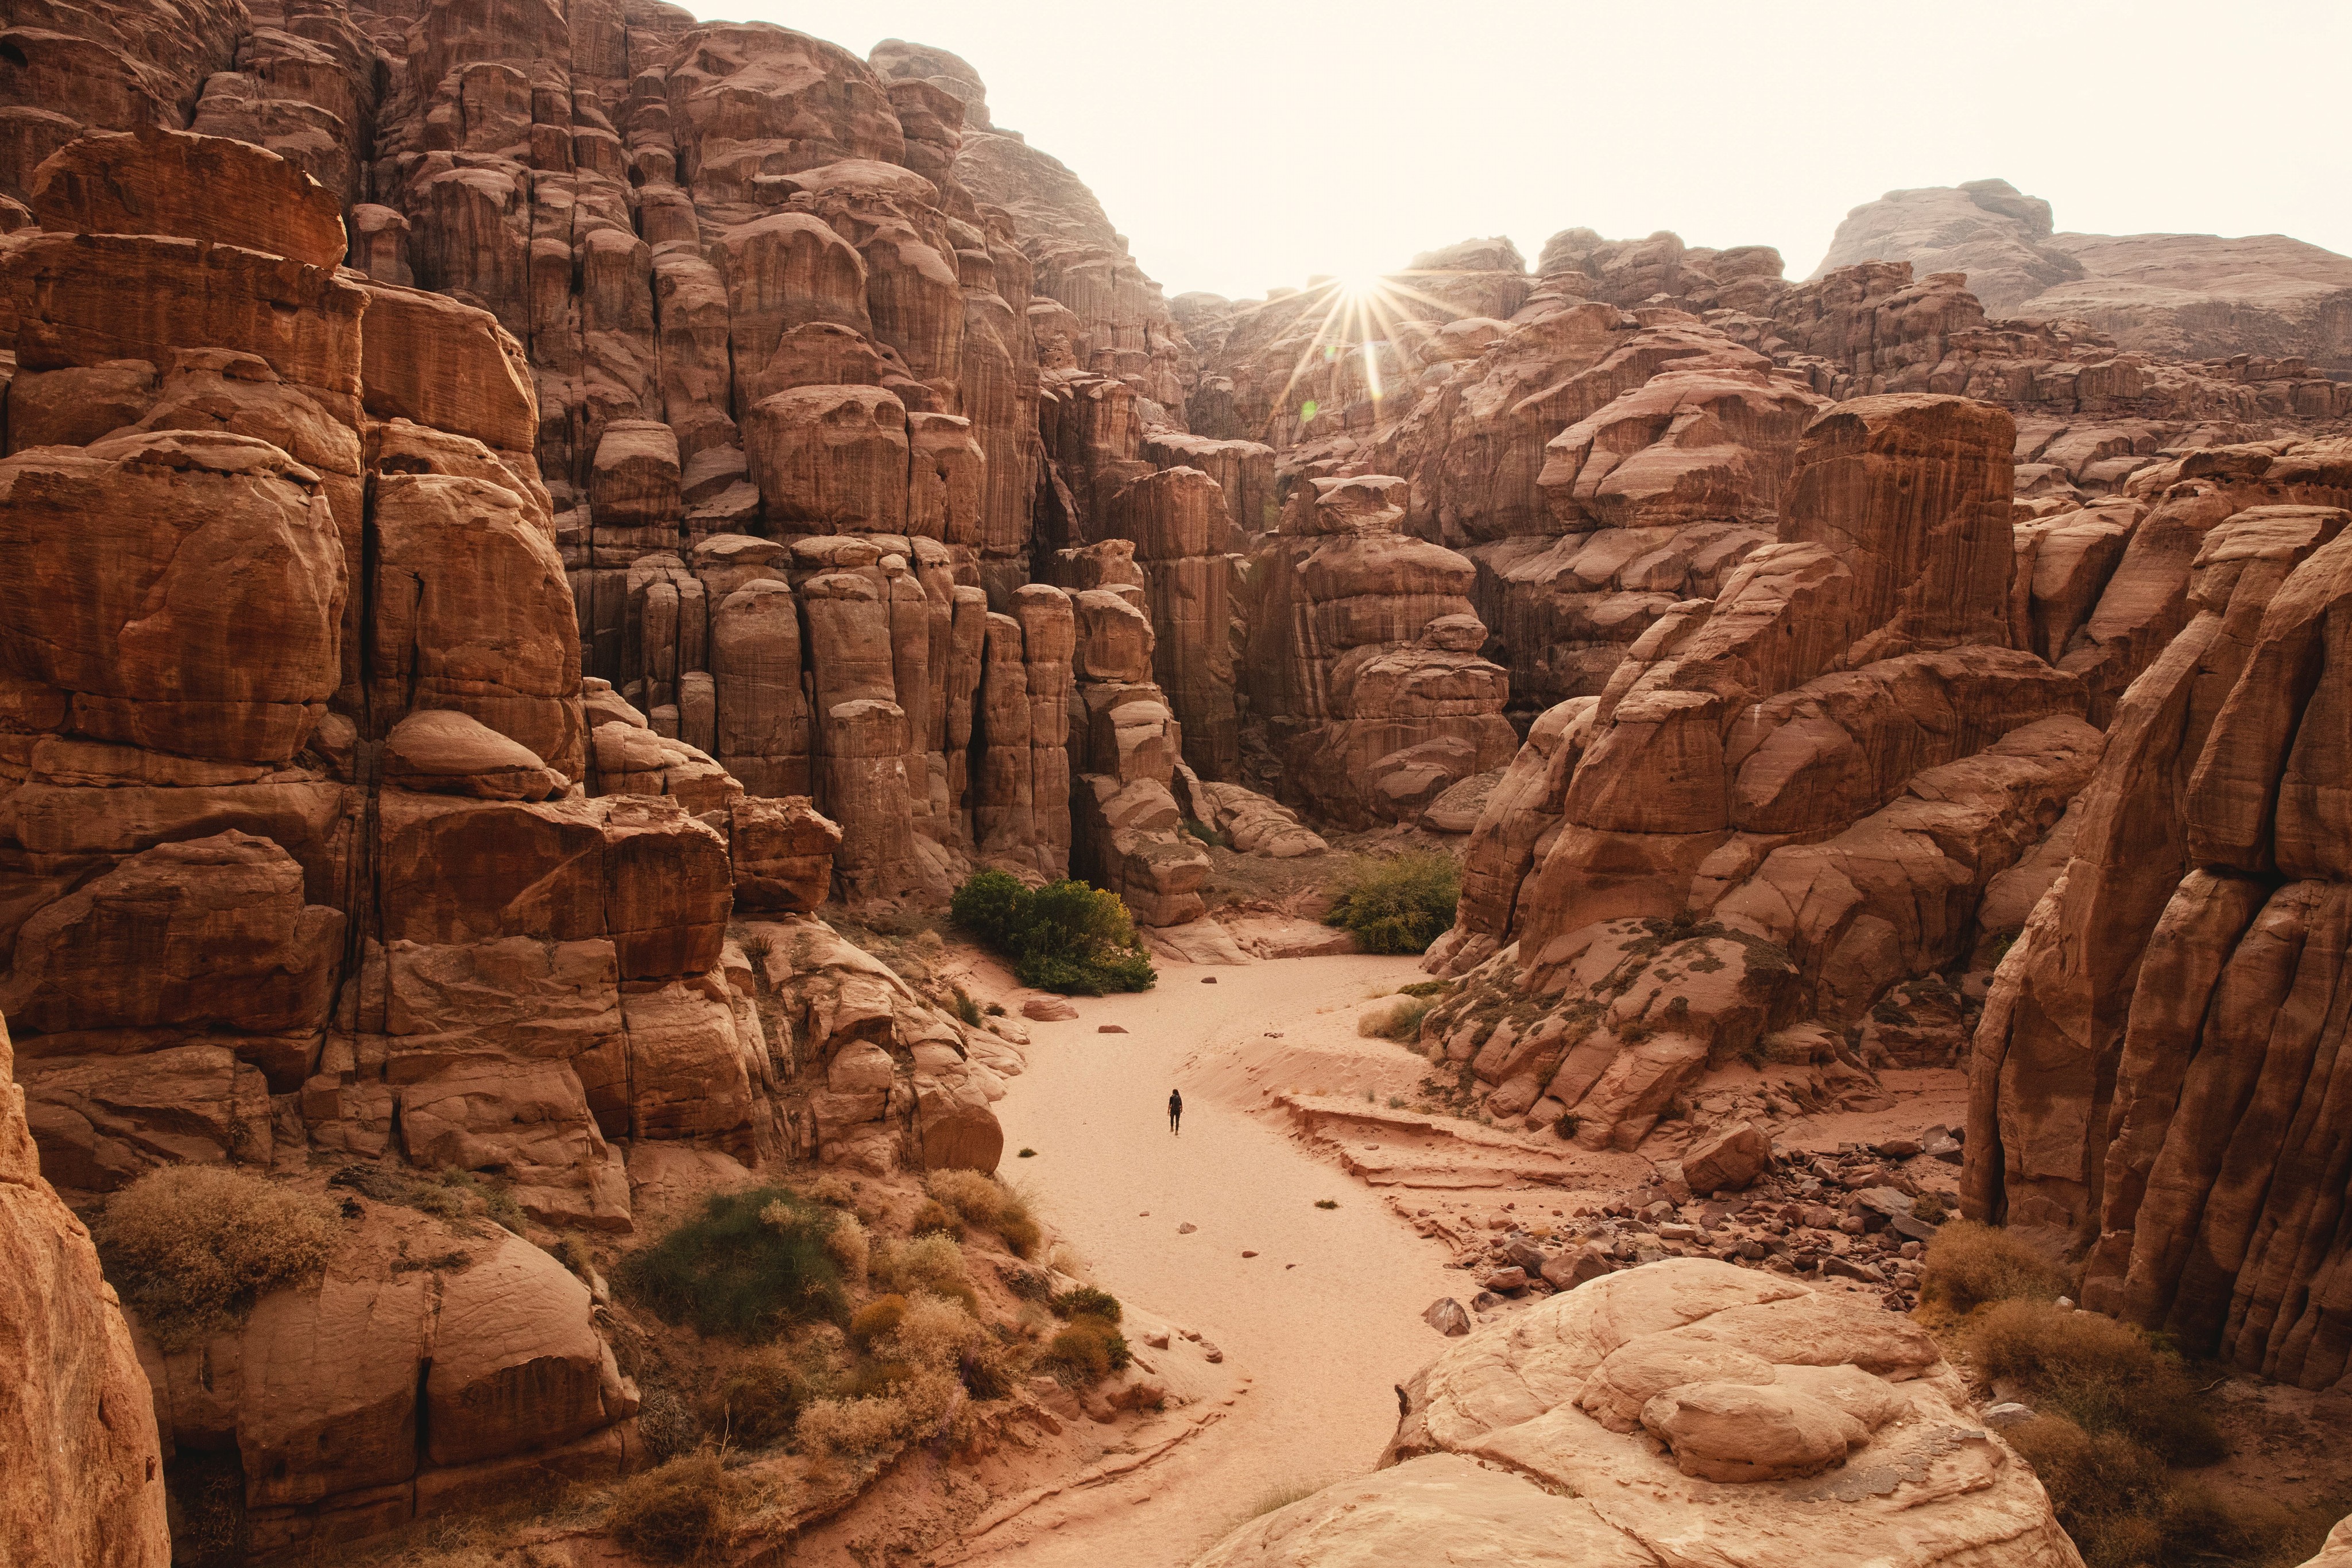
{"points": [[1186, 1228], [1247, 1253], [1110, 1028], [1208, 979], [1446, 1317], [1048, 1010]]}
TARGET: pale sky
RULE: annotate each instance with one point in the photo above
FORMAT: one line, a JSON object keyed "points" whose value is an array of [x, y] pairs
{"points": [[1246, 145]]}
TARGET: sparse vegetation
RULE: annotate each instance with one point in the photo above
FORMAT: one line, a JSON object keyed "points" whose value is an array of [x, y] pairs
{"points": [[933, 1263], [1028, 1154], [989, 1204], [1282, 1496], [192, 1248], [1065, 936], [1327, 1203], [1084, 1353], [756, 1401], [871, 1423], [1972, 1265], [1085, 1301], [1398, 905], [676, 1512], [750, 1264], [966, 1008], [1401, 1022], [2103, 1375]]}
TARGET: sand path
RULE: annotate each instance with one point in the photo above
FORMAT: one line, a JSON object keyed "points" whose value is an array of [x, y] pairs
{"points": [[1326, 1318]]}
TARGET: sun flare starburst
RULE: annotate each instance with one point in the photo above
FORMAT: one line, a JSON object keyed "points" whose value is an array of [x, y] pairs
{"points": [[1360, 314]]}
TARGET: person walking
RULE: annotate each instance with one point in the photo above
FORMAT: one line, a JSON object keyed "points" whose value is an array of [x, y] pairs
{"points": [[1175, 1111]]}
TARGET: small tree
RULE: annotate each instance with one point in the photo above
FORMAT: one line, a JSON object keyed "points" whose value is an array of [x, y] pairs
{"points": [[1067, 937]]}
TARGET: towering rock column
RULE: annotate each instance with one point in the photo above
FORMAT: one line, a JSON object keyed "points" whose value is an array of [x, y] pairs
{"points": [[1179, 524]]}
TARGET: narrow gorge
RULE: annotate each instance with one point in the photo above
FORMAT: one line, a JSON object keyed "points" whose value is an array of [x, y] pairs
{"points": [[643, 674]]}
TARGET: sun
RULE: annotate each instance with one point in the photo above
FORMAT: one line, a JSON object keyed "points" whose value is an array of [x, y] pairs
{"points": [[1360, 311]]}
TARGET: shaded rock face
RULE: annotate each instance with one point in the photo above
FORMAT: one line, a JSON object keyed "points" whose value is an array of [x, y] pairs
{"points": [[316, 843], [1685, 1409], [85, 1472], [2152, 1077], [2188, 297], [1787, 801], [1363, 661]]}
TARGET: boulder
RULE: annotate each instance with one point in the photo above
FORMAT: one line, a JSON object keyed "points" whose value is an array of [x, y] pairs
{"points": [[1727, 1159], [152, 180], [1686, 1407]]}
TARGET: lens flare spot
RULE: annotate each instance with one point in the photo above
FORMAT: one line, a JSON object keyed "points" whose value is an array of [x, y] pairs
{"points": [[1307, 411]]}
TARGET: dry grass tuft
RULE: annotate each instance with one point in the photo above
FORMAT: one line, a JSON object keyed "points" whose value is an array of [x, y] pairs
{"points": [[1972, 1265], [2105, 1376], [192, 1248], [678, 1511]]}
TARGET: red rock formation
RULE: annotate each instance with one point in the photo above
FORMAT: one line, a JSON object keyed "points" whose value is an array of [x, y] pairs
{"points": [[1787, 801], [2145, 1079], [85, 1473]]}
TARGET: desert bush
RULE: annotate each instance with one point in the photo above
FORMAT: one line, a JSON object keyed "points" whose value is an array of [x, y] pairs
{"points": [[1970, 1265], [1084, 1353], [192, 1248], [849, 1246], [966, 1008], [2125, 1509], [935, 1219], [1930, 1207], [2105, 1376], [1399, 1021], [1065, 936], [876, 1319], [834, 1190], [981, 1201], [865, 1426], [933, 1263], [1085, 1301], [746, 1266], [1398, 905], [934, 1332], [675, 1511], [756, 1401]]}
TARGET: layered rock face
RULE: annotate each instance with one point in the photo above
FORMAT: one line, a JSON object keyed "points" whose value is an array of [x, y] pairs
{"points": [[1788, 800], [2153, 1074], [316, 845], [85, 1473], [1363, 662], [2188, 296], [1687, 1410], [1624, 439]]}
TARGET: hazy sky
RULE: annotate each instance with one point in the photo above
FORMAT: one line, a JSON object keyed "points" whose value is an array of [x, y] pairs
{"points": [[1243, 145]]}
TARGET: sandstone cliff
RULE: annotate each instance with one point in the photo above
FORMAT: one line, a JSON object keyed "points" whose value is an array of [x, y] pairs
{"points": [[2191, 296], [85, 1474]]}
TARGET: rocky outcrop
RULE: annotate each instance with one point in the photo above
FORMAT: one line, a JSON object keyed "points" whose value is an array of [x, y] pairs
{"points": [[85, 1476], [2151, 1077], [1683, 1409], [1787, 801], [1363, 661], [2189, 296]]}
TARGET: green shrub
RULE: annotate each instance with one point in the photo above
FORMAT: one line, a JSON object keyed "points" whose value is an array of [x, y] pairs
{"points": [[2105, 1376], [1086, 1353], [676, 1512], [748, 1264], [1065, 936], [993, 906], [1970, 1265], [1402, 1022], [966, 1008], [756, 1401], [192, 1248], [1085, 1301], [1398, 905]]}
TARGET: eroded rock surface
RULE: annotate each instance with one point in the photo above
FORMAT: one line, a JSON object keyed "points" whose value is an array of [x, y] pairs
{"points": [[1685, 1410]]}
